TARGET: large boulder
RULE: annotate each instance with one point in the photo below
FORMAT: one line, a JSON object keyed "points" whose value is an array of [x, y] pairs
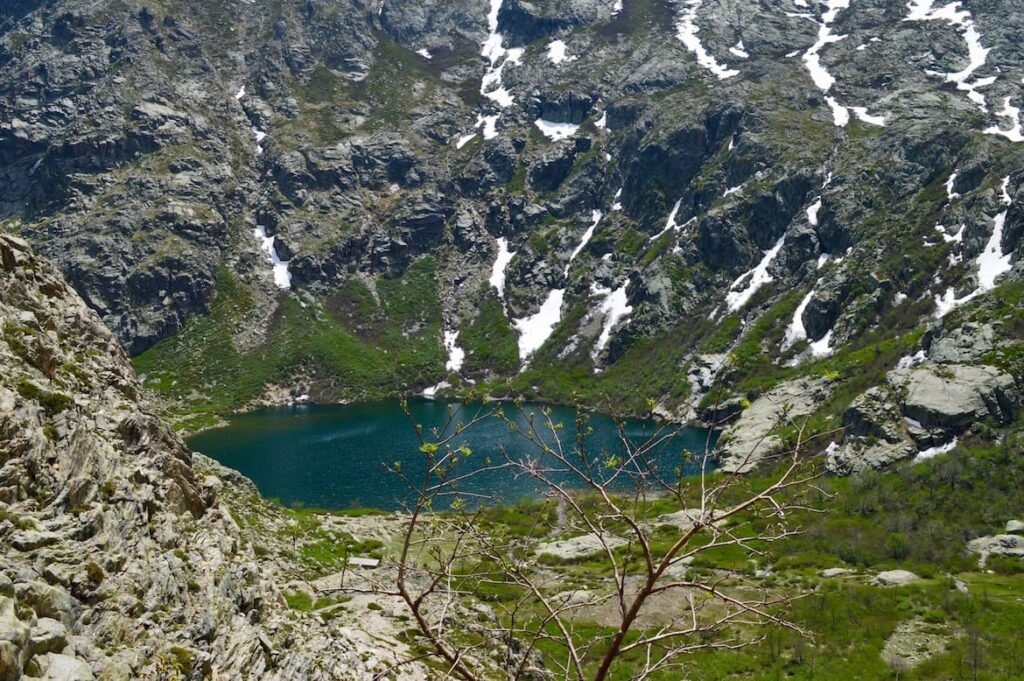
{"points": [[754, 436], [968, 343], [14, 636], [955, 396]]}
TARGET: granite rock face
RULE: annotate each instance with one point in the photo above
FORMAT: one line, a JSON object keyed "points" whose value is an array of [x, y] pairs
{"points": [[107, 529]]}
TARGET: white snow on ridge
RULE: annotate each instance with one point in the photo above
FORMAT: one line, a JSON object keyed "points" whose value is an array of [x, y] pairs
{"points": [[840, 115], [617, 201], [558, 52], [425, 53], [614, 307], [739, 50], [587, 236], [505, 256], [282, 278], [812, 212], [1016, 132], [862, 114], [823, 346], [489, 124], [757, 277], [241, 93], [812, 58], [992, 263], [952, 13], [491, 87], [464, 140], [671, 223], [556, 131], [686, 32], [260, 136], [820, 75], [796, 331], [932, 452], [537, 328], [950, 183], [456, 355]]}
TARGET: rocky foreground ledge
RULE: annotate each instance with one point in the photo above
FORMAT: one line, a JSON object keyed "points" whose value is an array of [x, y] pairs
{"points": [[117, 559]]}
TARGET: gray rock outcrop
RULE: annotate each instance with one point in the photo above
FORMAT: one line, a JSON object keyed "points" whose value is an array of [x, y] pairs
{"points": [[105, 527]]}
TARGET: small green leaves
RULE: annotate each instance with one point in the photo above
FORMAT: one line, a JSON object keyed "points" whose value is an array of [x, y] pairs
{"points": [[429, 447]]}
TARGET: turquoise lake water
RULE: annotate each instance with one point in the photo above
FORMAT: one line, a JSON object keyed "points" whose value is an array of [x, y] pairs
{"points": [[334, 456]]}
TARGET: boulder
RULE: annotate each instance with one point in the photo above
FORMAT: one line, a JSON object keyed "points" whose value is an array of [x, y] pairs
{"points": [[1014, 526], [46, 600], [751, 438], [57, 667], [968, 343], [997, 545], [30, 540], [580, 547], [894, 578], [955, 396], [834, 572], [47, 636], [13, 639]]}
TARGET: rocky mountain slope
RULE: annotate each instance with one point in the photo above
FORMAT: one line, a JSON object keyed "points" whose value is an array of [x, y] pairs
{"points": [[705, 204], [119, 558]]}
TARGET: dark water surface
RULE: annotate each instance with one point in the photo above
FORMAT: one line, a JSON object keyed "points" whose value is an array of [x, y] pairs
{"points": [[334, 456]]}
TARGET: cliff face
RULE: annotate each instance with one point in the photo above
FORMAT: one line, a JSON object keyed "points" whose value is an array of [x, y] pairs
{"points": [[117, 559], [647, 199]]}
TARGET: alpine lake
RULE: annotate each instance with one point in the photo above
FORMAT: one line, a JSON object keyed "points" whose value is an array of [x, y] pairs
{"points": [[337, 457]]}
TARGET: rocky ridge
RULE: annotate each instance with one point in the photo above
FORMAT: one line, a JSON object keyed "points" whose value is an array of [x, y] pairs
{"points": [[120, 560]]}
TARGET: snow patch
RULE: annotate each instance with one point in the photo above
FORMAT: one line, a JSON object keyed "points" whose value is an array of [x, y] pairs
{"points": [[617, 201], [602, 122], [615, 307], [464, 140], [924, 10], [282, 278], [754, 279], [456, 355], [671, 223], [260, 136], [1015, 133], [558, 52], [993, 262], [908, 361], [812, 212], [535, 329], [796, 331], [686, 32], [950, 194], [240, 93], [932, 452], [491, 87], [432, 391], [822, 347], [739, 50], [425, 53], [862, 114], [505, 256], [587, 236], [556, 131]]}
